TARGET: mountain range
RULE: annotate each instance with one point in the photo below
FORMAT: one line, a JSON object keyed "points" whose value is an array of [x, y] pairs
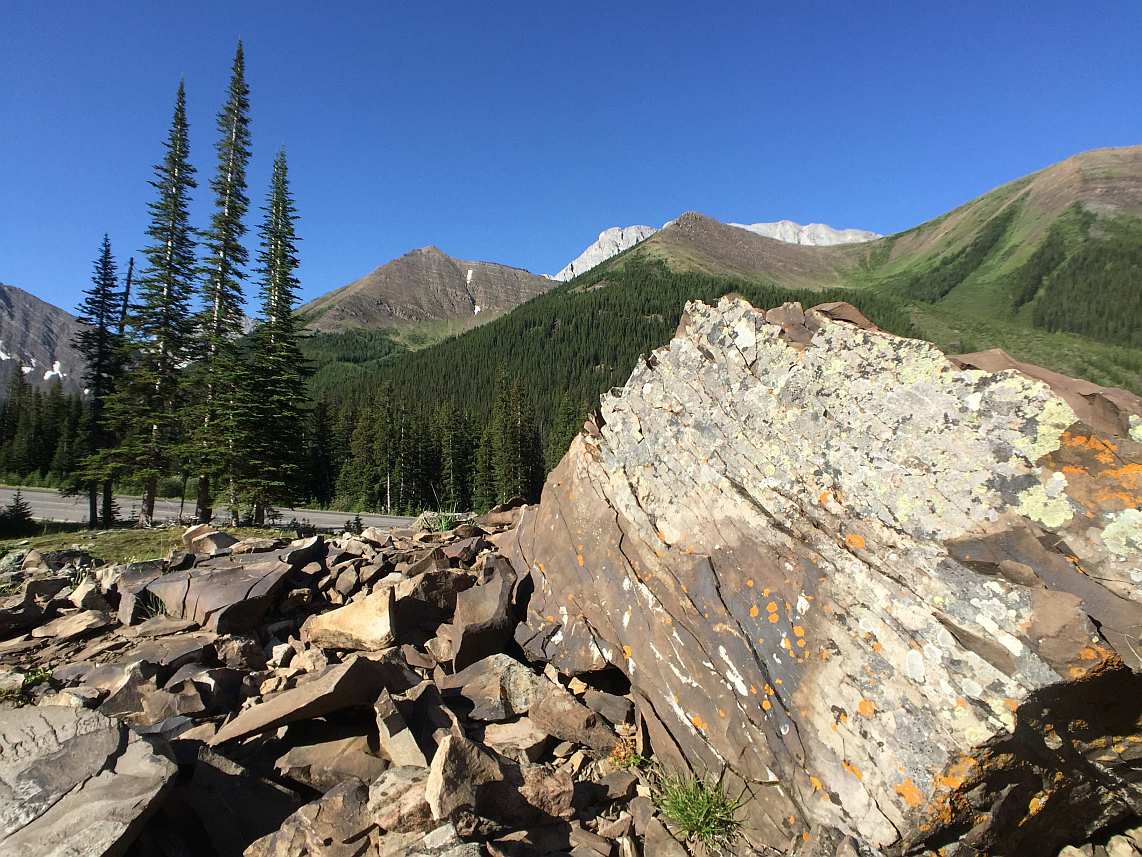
{"points": [[1045, 266]]}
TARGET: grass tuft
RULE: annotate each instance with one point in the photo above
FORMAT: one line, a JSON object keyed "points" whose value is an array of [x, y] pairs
{"points": [[699, 810]]}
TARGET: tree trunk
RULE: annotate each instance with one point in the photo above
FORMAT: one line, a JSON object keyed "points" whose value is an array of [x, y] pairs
{"points": [[108, 506], [147, 512], [259, 513], [203, 511], [92, 506]]}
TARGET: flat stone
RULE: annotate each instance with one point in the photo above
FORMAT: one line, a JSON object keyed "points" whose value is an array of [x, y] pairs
{"points": [[74, 782], [397, 800], [357, 682], [226, 598], [521, 736], [560, 714], [499, 687], [323, 764], [74, 625], [336, 825]]}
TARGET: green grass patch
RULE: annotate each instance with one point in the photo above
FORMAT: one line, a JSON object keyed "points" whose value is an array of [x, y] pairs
{"points": [[119, 545], [699, 810]]}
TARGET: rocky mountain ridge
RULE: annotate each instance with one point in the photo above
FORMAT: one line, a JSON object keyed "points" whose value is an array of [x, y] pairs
{"points": [[618, 239], [36, 339], [424, 286]]}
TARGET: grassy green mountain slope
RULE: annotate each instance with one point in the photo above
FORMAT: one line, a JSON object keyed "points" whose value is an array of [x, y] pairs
{"points": [[1047, 267]]}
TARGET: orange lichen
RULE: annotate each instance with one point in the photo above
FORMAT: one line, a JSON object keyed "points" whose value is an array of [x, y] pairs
{"points": [[855, 541], [815, 783], [909, 792], [698, 722], [771, 607], [1073, 470], [799, 630], [579, 559], [753, 611], [824, 498], [628, 652], [852, 769], [866, 708], [773, 617], [749, 582], [765, 705]]}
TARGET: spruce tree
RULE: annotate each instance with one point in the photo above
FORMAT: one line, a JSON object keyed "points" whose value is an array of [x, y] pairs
{"points": [[98, 342], [274, 382], [220, 323], [145, 407]]}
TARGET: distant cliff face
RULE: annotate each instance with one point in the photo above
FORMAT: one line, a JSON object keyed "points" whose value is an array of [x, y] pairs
{"points": [[36, 336], [610, 243], [424, 285], [615, 240]]}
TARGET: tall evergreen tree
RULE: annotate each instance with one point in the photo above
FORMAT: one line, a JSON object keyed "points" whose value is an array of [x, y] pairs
{"points": [[98, 342], [145, 407], [275, 380], [220, 323], [321, 476]]}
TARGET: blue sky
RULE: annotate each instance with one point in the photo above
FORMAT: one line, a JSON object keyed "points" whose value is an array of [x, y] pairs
{"points": [[514, 132]]}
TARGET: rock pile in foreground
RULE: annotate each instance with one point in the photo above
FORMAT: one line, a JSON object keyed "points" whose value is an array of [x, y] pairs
{"points": [[889, 598], [896, 598], [350, 697]]}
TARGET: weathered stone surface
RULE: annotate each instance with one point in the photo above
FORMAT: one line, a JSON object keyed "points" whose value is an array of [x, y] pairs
{"points": [[336, 825], [560, 714], [367, 624], [499, 687], [74, 782], [520, 737], [327, 759], [457, 780], [224, 598], [74, 625], [353, 683], [398, 743], [397, 801], [775, 538], [483, 622]]}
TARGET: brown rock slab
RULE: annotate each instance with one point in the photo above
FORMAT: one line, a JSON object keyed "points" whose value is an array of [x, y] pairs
{"points": [[224, 598], [366, 625], [353, 683], [499, 687]]}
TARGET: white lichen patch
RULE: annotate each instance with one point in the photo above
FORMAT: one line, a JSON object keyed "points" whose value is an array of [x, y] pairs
{"points": [[1123, 535]]}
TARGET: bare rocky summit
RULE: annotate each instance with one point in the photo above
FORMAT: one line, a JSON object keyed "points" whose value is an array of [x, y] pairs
{"points": [[889, 597], [425, 285]]}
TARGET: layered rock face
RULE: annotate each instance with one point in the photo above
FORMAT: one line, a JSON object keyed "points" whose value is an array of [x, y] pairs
{"points": [[894, 598]]}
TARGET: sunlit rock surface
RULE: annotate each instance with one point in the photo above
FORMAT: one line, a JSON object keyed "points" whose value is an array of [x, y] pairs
{"points": [[894, 598]]}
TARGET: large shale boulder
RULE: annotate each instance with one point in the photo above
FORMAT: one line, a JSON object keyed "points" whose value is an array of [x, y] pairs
{"points": [[894, 597]]}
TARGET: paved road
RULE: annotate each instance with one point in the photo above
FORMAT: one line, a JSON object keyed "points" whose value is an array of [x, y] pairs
{"points": [[49, 505]]}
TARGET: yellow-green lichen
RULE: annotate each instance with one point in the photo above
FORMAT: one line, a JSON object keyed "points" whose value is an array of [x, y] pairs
{"points": [[1123, 535], [1053, 420], [1034, 503], [1136, 428]]}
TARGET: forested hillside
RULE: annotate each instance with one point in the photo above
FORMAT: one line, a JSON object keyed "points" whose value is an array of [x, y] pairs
{"points": [[479, 418]]}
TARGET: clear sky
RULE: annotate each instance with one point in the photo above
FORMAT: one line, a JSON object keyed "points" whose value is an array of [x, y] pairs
{"points": [[514, 132]]}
